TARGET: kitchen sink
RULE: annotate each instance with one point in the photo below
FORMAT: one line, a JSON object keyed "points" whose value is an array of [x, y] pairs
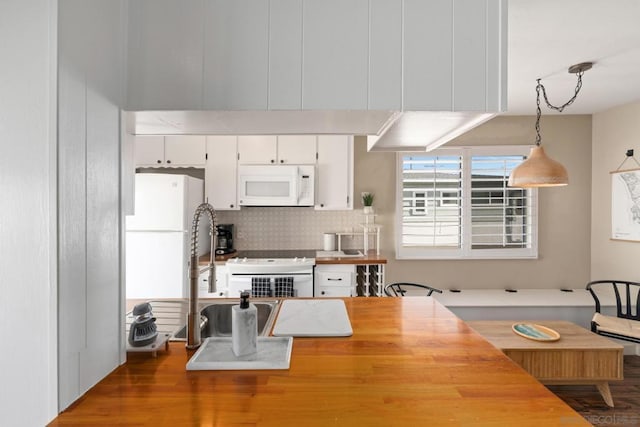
{"points": [[216, 319]]}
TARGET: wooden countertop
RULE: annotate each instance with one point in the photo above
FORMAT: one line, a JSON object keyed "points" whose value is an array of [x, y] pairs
{"points": [[410, 361], [369, 258]]}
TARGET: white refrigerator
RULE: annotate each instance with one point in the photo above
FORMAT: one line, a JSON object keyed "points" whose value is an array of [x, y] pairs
{"points": [[158, 235]]}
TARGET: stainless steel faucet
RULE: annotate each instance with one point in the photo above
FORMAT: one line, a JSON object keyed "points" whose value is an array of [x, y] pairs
{"points": [[193, 318]]}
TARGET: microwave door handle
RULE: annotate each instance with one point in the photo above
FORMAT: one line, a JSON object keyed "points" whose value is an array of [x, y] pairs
{"points": [[298, 183]]}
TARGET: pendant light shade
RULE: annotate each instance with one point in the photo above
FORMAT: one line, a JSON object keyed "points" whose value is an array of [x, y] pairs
{"points": [[538, 170]]}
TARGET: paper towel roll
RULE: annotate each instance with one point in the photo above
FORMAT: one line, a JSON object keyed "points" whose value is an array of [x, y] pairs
{"points": [[329, 241]]}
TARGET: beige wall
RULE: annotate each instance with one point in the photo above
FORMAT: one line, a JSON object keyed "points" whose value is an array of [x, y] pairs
{"points": [[614, 131], [564, 214]]}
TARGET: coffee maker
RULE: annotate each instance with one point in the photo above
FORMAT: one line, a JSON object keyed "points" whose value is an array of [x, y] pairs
{"points": [[224, 233]]}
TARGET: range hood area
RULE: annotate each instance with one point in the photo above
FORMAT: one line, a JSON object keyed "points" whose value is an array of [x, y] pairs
{"points": [[408, 74]]}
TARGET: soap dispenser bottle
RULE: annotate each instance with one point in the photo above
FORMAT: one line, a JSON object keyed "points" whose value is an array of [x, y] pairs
{"points": [[244, 328]]}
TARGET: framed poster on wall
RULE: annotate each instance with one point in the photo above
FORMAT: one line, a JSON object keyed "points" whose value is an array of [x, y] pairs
{"points": [[625, 205]]}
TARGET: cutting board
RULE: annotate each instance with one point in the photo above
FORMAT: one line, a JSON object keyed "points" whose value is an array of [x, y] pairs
{"points": [[313, 318]]}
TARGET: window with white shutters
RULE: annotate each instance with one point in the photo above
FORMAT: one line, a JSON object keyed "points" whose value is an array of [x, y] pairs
{"points": [[455, 203]]}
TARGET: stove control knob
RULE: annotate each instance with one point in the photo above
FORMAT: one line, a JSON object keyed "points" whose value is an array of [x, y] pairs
{"points": [[304, 259], [295, 259], [244, 259]]}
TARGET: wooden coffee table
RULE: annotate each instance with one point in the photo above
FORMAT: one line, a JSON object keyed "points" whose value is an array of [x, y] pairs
{"points": [[578, 357]]}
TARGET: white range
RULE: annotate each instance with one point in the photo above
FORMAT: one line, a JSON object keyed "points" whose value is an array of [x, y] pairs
{"points": [[269, 267]]}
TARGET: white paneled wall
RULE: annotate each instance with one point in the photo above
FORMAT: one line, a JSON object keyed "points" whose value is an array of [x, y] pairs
{"points": [[90, 302], [27, 222], [289, 228]]}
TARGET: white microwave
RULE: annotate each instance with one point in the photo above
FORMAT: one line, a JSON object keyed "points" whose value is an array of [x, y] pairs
{"points": [[277, 185]]}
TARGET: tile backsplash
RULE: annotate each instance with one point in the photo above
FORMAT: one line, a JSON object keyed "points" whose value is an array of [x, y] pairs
{"points": [[290, 228]]}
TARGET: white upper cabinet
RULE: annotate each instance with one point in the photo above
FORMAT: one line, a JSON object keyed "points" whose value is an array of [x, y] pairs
{"points": [[236, 54], [258, 149], [221, 172], [335, 55], [334, 190], [272, 149], [170, 151], [149, 150], [165, 55], [185, 150], [285, 55], [297, 149]]}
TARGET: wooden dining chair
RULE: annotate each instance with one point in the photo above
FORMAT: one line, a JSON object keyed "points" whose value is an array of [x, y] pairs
{"points": [[400, 289], [625, 325]]}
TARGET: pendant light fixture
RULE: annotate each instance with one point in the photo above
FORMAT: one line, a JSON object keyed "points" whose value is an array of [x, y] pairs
{"points": [[539, 170]]}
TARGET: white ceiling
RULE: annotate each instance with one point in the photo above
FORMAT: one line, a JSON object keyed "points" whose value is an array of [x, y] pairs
{"points": [[548, 36]]}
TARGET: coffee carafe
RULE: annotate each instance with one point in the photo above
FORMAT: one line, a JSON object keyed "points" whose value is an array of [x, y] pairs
{"points": [[224, 234]]}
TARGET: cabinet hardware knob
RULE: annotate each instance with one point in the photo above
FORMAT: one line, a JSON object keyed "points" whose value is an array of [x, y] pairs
{"points": [[230, 206], [322, 205], [281, 161], [168, 161], [273, 161], [159, 161], [322, 292]]}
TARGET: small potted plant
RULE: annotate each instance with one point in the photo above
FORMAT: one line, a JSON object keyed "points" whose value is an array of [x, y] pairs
{"points": [[367, 201]]}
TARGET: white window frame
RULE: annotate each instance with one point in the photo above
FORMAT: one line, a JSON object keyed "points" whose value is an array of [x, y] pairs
{"points": [[465, 251]]}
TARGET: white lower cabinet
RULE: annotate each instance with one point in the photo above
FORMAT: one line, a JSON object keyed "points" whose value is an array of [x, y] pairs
{"points": [[221, 283], [334, 280]]}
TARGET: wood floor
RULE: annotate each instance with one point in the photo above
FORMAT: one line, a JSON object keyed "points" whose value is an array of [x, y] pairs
{"points": [[626, 396]]}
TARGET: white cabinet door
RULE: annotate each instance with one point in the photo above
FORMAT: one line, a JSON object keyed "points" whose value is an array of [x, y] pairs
{"points": [[334, 189], [258, 149], [221, 172], [297, 149], [170, 151], [185, 150], [334, 280], [149, 150]]}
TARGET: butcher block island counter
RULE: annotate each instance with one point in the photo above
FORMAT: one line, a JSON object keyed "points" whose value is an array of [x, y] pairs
{"points": [[410, 361]]}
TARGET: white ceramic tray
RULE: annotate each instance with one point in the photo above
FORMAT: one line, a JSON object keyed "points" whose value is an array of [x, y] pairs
{"points": [[215, 354]]}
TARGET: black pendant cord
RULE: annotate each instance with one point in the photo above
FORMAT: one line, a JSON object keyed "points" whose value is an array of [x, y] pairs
{"points": [[551, 106]]}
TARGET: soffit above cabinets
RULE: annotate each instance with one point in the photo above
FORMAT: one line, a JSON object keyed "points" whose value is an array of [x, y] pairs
{"points": [[357, 122], [409, 73], [421, 130]]}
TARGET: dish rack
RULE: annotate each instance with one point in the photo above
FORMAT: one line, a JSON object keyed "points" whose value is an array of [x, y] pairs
{"points": [[369, 229]]}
